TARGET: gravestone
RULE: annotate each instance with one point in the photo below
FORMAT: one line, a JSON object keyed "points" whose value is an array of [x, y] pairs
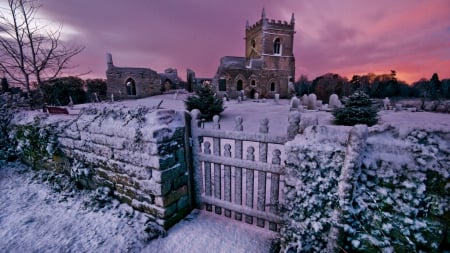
{"points": [[333, 102], [277, 98], [293, 106], [305, 100], [312, 102], [257, 96], [386, 103]]}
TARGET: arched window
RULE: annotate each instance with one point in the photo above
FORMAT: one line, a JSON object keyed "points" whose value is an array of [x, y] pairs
{"points": [[253, 83], [253, 43], [131, 87], [239, 85], [277, 46], [272, 86]]}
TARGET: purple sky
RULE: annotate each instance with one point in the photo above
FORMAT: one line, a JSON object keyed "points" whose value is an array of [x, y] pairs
{"points": [[346, 36]]}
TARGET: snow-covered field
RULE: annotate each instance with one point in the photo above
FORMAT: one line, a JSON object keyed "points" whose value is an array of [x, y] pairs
{"points": [[43, 212], [252, 112]]}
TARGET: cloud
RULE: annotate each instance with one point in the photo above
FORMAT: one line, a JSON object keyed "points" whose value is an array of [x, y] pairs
{"points": [[348, 36]]}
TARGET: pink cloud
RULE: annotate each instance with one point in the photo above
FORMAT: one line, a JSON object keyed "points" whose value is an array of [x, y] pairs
{"points": [[349, 36]]}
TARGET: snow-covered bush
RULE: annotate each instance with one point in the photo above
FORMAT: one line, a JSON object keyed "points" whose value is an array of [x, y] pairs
{"points": [[35, 142], [7, 111], [397, 197]]}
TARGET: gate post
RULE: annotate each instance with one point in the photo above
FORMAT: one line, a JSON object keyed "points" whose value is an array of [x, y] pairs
{"points": [[194, 166]]}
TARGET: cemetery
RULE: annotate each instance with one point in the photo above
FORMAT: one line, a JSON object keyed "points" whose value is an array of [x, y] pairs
{"points": [[245, 160]]}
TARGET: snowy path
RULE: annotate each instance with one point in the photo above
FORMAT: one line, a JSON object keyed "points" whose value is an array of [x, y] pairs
{"points": [[41, 217], [205, 232]]}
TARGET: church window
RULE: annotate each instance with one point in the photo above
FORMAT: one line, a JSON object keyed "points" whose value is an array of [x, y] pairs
{"points": [[239, 85], [277, 46], [253, 44], [272, 86], [222, 85], [253, 82]]}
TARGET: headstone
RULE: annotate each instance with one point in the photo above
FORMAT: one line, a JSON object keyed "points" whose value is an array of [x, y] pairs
{"points": [[293, 124], [319, 104], [239, 99], [112, 98], [333, 101], [398, 107], [312, 102], [96, 97], [277, 98], [256, 96], [305, 100], [70, 102], [386, 103], [176, 95], [293, 106]]}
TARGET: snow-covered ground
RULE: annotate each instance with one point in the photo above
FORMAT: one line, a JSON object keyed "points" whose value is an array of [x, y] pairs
{"points": [[252, 112], [42, 212]]}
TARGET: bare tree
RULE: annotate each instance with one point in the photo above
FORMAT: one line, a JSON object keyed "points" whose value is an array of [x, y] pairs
{"points": [[29, 51]]}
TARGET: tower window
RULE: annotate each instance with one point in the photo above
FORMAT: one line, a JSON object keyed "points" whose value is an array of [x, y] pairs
{"points": [[253, 43], [253, 82], [272, 86], [277, 46]]}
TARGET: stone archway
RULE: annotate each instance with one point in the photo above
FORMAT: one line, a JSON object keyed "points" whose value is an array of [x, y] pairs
{"points": [[131, 86]]}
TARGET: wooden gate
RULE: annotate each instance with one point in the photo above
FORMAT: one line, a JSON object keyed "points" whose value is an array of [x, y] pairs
{"points": [[238, 174]]}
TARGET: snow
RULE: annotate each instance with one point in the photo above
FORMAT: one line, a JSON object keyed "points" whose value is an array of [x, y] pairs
{"points": [[40, 212], [35, 218]]}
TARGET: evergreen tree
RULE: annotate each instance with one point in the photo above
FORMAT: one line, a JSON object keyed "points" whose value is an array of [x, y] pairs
{"points": [[206, 101], [358, 110]]}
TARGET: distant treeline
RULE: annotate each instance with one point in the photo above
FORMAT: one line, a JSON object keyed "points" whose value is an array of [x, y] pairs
{"points": [[59, 91], [376, 86]]}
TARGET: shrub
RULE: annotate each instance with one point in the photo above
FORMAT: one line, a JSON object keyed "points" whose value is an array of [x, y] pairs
{"points": [[206, 101], [7, 110], [58, 91], [97, 86], [358, 110]]}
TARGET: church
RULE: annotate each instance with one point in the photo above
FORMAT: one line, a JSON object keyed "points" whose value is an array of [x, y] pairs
{"points": [[133, 83], [268, 65]]}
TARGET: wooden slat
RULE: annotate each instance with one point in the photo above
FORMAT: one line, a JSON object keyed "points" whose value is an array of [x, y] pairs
{"points": [[236, 135], [242, 209], [254, 165]]}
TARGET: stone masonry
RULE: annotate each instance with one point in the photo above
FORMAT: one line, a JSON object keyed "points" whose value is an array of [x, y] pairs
{"points": [[138, 153]]}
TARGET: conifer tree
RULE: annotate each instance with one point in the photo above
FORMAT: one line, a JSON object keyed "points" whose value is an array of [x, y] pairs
{"points": [[358, 110], [206, 101]]}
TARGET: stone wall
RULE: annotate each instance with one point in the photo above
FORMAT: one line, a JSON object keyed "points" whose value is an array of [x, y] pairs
{"points": [[359, 189], [138, 153]]}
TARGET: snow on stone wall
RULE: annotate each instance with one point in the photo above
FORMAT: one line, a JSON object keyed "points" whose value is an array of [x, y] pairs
{"points": [[136, 152], [367, 190]]}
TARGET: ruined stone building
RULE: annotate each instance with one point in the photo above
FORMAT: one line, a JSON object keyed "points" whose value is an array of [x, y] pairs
{"points": [[130, 82], [268, 65]]}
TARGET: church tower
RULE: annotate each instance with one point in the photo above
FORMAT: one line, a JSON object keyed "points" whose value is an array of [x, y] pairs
{"points": [[272, 42], [267, 66]]}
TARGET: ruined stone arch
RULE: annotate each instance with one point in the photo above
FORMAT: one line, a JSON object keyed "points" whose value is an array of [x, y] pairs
{"points": [[130, 85]]}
